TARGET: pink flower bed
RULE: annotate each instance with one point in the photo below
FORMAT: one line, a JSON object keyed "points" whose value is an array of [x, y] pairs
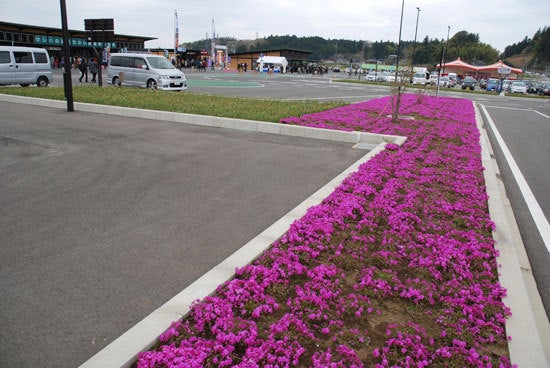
{"points": [[396, 268]]}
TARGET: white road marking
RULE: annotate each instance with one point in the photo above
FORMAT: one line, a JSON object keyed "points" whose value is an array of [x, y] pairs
{"points": [[536, 211], [518, 109], [540, 113]]}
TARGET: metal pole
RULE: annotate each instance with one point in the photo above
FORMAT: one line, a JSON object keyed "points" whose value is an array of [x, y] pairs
{"points": [[399, 43], [415, 33], [67, 80], [446, 45]]}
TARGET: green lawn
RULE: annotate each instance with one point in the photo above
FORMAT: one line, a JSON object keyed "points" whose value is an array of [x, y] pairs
{"points": [[186, 102]]}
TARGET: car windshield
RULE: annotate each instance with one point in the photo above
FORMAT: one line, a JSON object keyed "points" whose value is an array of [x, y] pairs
{"points": [[159, 63], [518, 84]]}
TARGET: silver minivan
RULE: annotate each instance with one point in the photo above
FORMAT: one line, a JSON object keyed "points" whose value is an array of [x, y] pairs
{"points": [[145, 70], [25, 66]]}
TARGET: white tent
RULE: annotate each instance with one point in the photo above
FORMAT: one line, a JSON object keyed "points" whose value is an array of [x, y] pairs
{"points": [[275, 60]]}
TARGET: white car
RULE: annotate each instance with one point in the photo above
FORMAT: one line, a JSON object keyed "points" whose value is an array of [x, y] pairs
{"points": [[419, 78], [371, 77], [518, 87]]}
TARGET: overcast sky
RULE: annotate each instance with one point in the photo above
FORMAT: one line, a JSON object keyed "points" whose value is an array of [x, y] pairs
{"points": [[498, 22]]}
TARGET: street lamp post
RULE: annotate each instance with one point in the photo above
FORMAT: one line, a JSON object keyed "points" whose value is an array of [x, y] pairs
{"points": [[415, 34], [446, 46], [399, 43]]}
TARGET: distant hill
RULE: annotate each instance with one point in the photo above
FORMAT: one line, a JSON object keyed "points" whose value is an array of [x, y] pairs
{"points": [[530, 53]]}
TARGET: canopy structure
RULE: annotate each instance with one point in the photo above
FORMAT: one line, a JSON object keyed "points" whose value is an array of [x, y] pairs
{"points": [[275, 60], [459, 67], [492, 71]]}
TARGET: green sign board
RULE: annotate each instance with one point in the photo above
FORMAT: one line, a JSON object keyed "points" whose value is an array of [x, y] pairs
{"points": [[73, 42]]}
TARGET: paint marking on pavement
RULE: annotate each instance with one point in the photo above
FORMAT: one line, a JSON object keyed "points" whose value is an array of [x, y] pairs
{"points": [[536, 211], [518, 109], [540, 113]]}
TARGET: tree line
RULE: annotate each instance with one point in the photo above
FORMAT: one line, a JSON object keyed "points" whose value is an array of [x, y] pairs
{"points": [[426, 52]]}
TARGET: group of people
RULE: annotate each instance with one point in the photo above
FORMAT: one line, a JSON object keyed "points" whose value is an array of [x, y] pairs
{"points": [[242, 67], [84, 66]]}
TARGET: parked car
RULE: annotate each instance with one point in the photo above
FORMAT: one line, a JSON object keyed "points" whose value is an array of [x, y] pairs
{"points": [[535, 87], [469, 82], [492, 85], [444, 81], [144, 70], [419, 78], [506, 85], [381, 77], [544, 90], [518, 87], [371, 77], [25, 66]]}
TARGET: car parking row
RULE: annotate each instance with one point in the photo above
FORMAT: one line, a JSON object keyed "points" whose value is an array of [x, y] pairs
{"points": [[451, 80]]}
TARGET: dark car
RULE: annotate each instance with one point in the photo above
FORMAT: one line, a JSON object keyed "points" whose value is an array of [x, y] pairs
{"points": [[535, 87], [468, 82], [544, 90]]}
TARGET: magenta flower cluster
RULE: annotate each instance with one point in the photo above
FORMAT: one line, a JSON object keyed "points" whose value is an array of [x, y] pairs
{"points": [[396, 268]]}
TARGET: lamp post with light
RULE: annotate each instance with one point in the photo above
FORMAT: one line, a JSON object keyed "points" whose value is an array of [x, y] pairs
{"points": [[415, 33], [446, 46]]}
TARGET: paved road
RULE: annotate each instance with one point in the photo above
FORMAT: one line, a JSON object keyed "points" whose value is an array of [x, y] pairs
{"points": [[106, 218], [524, 124]]}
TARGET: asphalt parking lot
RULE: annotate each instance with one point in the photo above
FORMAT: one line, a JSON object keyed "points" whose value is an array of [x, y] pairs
{"points": [[104, 218]]}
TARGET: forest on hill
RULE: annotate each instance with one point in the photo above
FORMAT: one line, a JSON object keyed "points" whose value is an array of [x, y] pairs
{"points": [[528, 53]]}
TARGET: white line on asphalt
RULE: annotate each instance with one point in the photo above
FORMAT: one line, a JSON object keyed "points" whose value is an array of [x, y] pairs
{"points": [[528, 196], [540, 113], [518, 109]]}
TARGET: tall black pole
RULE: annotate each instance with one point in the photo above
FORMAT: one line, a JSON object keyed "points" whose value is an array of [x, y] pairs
{"points": [[399, 43], [67, 80]]}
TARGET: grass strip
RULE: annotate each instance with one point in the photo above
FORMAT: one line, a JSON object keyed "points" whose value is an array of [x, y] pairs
{"points": [[190, 103]]}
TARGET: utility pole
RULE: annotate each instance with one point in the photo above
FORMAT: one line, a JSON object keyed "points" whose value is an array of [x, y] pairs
{"points": [[67, 79]]}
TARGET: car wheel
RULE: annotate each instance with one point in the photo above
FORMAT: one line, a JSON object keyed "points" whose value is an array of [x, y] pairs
{"points": [[151, 84], [116, 81], [42, 82]]}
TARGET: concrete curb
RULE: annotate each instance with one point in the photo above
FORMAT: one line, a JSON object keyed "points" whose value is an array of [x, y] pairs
{"points": [[528, 326], [213, 121]]}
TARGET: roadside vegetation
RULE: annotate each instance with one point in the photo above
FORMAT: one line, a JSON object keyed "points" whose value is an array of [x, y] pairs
{"points": [[395, 268], [190, 103]]}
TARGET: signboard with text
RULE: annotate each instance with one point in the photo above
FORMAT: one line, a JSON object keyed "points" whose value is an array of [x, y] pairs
{"points": [[75, 42]]}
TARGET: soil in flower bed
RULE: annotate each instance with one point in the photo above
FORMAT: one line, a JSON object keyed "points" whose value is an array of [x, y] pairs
{"points": [[397, 267]]}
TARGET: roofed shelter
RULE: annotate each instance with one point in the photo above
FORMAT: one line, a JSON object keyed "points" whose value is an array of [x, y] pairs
{"points": [[491, 71], [459, 67]]}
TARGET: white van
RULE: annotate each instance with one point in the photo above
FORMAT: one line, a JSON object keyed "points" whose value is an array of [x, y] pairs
{"points": [[25, 66], [145, 70]]}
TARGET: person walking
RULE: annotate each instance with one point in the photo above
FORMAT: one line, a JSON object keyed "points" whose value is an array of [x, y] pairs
{"points": [[83, 67], [93, 69]]}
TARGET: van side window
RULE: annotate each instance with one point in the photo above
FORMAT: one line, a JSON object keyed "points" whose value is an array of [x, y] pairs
{"points": [[139, 62], [123, 61], [5, 57], [22, 57], [40, 58]]}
